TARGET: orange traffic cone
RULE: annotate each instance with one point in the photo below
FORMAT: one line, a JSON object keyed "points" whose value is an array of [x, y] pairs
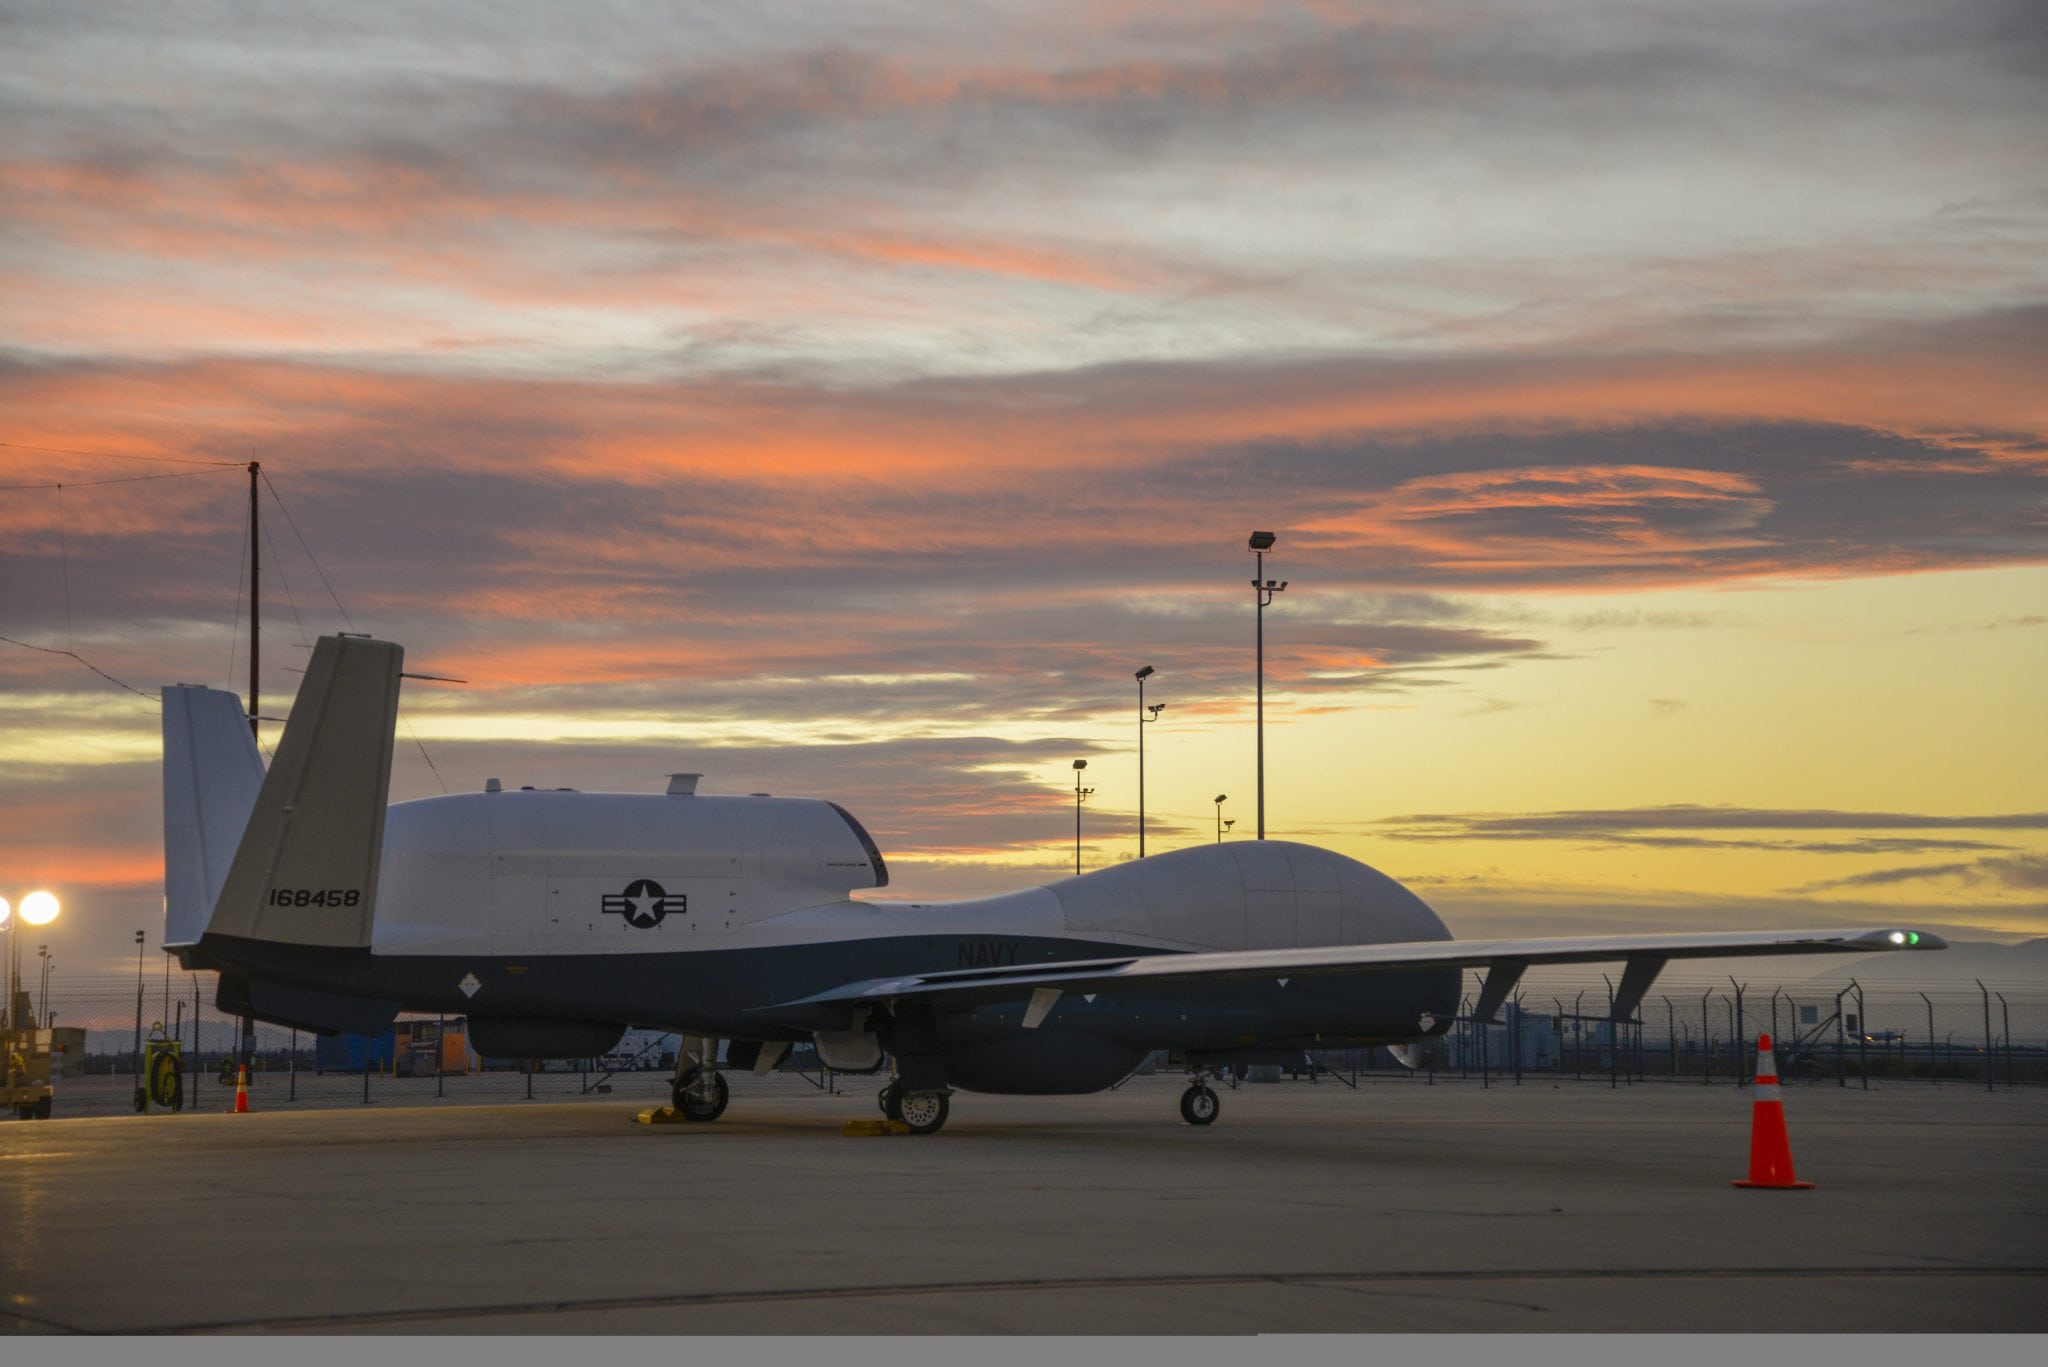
{"points": [[242, 1094], [1770, 1149]]}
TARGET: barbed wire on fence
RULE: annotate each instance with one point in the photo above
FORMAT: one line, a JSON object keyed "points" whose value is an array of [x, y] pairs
{"points": [[1689, 1029]]}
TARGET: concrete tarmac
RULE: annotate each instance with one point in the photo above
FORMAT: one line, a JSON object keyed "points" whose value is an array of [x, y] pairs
{"points": [[1303, 1209]]}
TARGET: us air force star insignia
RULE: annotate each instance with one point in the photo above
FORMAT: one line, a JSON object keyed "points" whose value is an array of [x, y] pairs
{"points": [[644, 903], [469, 985]]}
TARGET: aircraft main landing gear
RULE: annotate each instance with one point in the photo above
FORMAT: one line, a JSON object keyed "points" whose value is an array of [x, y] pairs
{"points": [[699, 1095], [1199, 1105], [923, 1112]]}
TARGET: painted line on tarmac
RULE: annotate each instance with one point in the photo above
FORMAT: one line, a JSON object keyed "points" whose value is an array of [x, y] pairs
{"points": [[370, 1318]]}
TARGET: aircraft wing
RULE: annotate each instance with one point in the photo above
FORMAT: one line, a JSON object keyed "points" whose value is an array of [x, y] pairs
{"points": [[1505, 961]]}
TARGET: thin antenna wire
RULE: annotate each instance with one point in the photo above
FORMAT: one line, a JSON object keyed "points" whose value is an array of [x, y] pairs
{"points": [[423, 750], [124, 479], [277, 563], [64, 558], [293, 524], [307, 549], [235, 626], [52, 650]]}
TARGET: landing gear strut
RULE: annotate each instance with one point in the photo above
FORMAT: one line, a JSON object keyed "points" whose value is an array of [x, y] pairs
{"points": [[1199, 1105]]}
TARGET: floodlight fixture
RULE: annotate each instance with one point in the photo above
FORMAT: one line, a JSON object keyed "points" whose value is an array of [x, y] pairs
{"points": [[39, 908], [1263, 541]]}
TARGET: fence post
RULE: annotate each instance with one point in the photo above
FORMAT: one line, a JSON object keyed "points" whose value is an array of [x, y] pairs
{"points": [[1483, 1083], [366, 1070], [2005, 1013], [1706, 1053], [1989, 1084], [1862, 1034], [1578, 1039], [1933, 1068], [440, 1054], [1671, 1030], [1742, 1072], [1842, 1042], [1515, 1040], [1464, 1037], [295, 1064], [1613, 1036]]}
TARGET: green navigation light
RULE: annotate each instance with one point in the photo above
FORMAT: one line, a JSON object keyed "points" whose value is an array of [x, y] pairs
{"points": [[1912, 937]]}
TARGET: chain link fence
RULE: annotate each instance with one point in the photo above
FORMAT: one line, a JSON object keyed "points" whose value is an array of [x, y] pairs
{"points": [[1934, 1032]]}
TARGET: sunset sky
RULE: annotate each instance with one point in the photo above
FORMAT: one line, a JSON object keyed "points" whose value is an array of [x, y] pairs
{"points": [[1651, 401]]}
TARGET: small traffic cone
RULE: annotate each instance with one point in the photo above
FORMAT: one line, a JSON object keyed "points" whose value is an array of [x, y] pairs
{"points": [[242, 1094], [1770, 1149]]}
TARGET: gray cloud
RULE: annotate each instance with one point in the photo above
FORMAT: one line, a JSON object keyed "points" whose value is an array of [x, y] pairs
{"points": [[2020, 872], [1678, 827]]}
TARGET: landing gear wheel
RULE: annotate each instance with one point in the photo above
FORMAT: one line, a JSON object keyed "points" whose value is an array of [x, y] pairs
{"points": [[923, 1112], [1198, 1105], [692, 1103], [42, 1108], [890, 1099]]}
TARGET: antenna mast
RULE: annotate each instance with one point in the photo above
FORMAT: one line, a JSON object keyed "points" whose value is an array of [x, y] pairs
{"points": [[255, 613]]}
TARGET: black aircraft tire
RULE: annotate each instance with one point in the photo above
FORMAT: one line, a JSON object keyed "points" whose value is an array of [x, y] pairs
{"points": [[924, 1112], [890, 1099], [1199, 1106], [25, 1112], [42, 1108], [694, 1107]]}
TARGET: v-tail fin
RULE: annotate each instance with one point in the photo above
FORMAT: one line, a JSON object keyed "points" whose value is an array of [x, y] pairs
{"points": [[305, 872], [212, 772]]}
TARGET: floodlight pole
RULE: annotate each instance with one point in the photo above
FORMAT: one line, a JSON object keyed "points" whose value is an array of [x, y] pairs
{"points": [[1221, 798], [248, 1023], [139, 937], [255, 598], [1080, 795], [1144, 715], [1263, 590]]}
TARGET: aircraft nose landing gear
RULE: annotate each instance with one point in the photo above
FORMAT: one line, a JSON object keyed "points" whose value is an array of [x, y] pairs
{"points": [[1199, 1105]]}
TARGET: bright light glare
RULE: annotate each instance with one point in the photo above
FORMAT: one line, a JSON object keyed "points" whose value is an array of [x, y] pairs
{"points": [[1898, 937], [39, 908], [6, 910]]}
